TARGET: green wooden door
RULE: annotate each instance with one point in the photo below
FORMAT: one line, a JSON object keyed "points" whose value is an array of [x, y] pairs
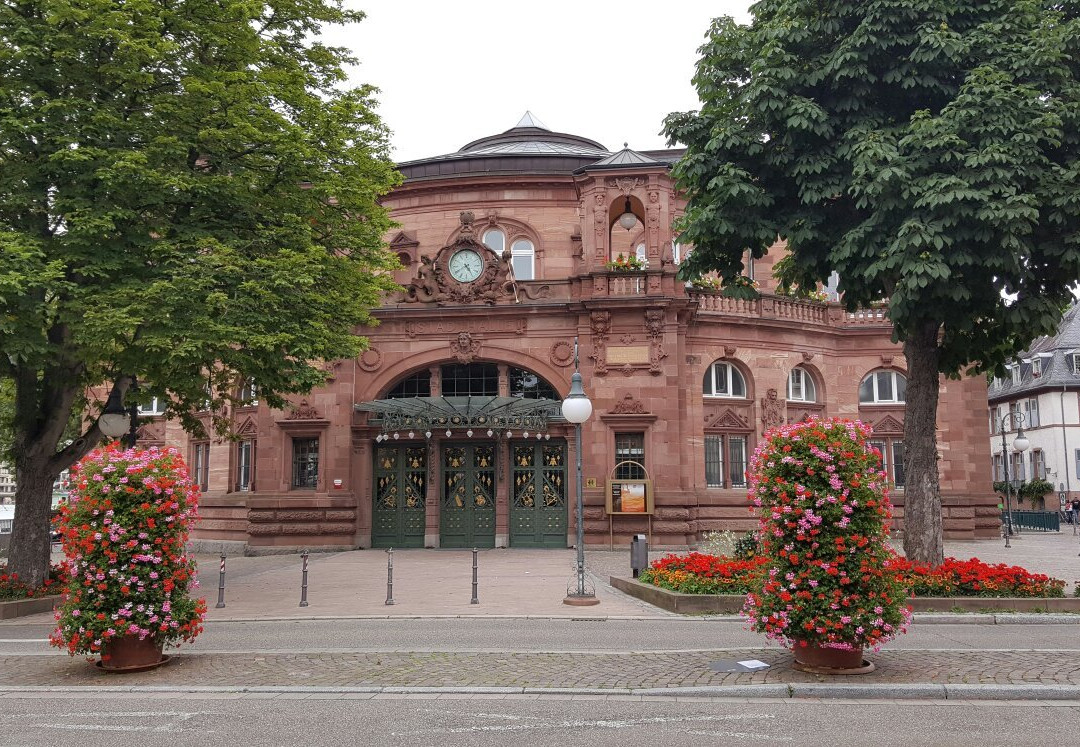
{"points": [[467, 511], [397, 516], [538, 502]]}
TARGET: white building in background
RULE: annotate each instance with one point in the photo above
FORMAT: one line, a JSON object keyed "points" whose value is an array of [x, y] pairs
{"points": [[7, 484], [1043, 385]]}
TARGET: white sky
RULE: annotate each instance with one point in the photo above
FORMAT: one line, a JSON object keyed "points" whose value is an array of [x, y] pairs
{"points": [[452, 72]]}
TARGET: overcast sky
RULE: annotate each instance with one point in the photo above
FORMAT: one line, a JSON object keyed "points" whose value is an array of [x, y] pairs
{"points": [[452, 72]]}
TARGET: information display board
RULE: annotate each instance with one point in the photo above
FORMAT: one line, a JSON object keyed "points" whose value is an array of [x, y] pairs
{"points": [[629, 497]]}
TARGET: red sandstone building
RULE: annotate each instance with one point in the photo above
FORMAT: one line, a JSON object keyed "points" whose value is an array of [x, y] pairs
{"points": [[443, 434]]}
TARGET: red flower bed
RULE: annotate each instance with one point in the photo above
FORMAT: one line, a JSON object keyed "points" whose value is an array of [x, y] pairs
{"points": [[697, 573], [974, 578], [12, 588]]}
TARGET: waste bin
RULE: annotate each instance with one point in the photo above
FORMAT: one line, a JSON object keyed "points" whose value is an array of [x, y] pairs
{"points": [[639, 554]]}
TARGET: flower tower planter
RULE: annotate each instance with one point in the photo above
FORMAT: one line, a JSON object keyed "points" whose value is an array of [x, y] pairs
{"points": [[123, 531], [827, 589]]}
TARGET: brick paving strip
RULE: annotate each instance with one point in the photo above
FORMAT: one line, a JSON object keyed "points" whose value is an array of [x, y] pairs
{"points": [[599, 671]]}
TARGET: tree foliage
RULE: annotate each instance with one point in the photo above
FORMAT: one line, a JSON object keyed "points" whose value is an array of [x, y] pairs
{"points": [[926, 150], [188, 198]]}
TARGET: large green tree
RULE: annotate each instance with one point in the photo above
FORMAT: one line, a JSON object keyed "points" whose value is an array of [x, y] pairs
{"points": [[188, 198], [926, 150]]}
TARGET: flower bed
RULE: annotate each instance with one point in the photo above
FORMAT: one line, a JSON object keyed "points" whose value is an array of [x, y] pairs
{"points": [[974, 578], [697, 573], [11, 588]]}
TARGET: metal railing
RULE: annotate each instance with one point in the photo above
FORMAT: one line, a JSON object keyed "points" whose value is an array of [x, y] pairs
{"points": [[1038, 521]]}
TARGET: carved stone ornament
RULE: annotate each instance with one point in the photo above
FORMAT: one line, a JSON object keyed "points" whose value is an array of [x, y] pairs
{"points": [[467, 218], [464, 348], [807, 357], [625, 184], [561, 353], [888, 426], [601, 326], [628, 406], [693, 360], [370, 359], [772, 410], [886, 360], [729, 350], [248, 428], [434, 283], [151, 432], [303, 411], [727, 418]]}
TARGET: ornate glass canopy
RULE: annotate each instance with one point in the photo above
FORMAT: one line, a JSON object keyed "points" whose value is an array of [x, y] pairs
{"points": [[481, 413]]}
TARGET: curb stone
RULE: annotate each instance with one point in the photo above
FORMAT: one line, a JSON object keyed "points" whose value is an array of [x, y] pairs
{"points": [[1032, 692]]}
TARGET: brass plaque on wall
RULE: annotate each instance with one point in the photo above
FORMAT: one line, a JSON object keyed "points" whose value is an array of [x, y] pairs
{"points": [[628, 354]]}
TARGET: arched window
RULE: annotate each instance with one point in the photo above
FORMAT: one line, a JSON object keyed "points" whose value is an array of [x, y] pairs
{"points": [[640, 253], [417, 385], [883, 388], [724, 380], [528, 385], [523, 256], [800, 386], [495, 240]]}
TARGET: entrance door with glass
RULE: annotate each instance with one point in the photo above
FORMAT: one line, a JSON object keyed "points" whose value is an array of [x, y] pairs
{"points": [[467, 509], [397, 516], [538, 502]]}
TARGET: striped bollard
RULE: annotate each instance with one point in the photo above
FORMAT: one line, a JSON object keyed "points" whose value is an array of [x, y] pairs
{"points": [[221, 585], [390, 576], [303, 580]]}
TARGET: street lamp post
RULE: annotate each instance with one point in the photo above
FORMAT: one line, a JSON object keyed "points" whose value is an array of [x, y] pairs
{"points": [[1020, 443], [577, 408]]}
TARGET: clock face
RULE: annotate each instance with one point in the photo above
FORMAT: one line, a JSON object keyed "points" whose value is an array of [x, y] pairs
{"points": [[465, 266]]}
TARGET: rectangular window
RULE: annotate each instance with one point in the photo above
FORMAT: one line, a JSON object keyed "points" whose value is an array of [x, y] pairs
{"points": [[522, 256], [305, 463], [1038, 465], [156, 406], [796, 384], [630, 447], [737, 461], [898, 463], [1036, 368], [249, 396], [1033, 413], [998, 476], [1017, 469], [200, 465], [884, 386], [245, 465], [1014, 371], [1076, 364], [729, 451], [714, 462]]}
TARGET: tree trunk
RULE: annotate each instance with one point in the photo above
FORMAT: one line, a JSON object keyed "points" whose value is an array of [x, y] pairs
{"points": [[29, 552], [922, 498]]}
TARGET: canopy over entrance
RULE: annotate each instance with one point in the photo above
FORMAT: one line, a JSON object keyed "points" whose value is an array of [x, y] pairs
{"points": [[461, 413]]}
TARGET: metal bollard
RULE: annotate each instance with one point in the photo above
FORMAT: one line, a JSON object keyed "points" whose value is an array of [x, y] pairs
{"points": [[390, 576], [303, 580], [474, 600], [221, 585]]}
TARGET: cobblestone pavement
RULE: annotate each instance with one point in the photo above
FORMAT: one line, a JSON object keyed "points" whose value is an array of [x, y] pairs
{"points": [[546, 670]]}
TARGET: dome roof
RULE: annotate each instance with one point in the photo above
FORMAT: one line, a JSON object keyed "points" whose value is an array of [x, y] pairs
{"points": [[531, 136]]}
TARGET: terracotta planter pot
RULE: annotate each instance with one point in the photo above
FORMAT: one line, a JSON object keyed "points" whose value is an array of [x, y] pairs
{"points": [[129, 654], [825, 660]]}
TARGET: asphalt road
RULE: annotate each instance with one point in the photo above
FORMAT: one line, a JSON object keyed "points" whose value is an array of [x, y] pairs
{"points": [[39, 720], [550, 635]]}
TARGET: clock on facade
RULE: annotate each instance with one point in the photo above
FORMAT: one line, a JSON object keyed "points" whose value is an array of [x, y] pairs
{"points": [[465, 266]]}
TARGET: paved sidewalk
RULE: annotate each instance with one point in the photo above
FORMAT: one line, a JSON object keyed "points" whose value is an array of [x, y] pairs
{"points": [[608, 671], [520, 583]]}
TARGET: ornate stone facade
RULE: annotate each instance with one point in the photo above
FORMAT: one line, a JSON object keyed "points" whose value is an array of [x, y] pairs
{"points": [[685, 381]]}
